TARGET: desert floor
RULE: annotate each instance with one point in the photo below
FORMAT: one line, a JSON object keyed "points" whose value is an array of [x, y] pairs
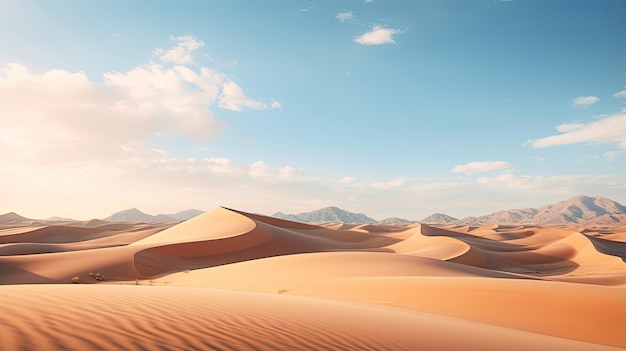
{"points": [[229, 280]]}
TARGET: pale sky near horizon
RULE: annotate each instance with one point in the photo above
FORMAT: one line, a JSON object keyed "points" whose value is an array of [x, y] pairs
{"points": [[389, 108]]}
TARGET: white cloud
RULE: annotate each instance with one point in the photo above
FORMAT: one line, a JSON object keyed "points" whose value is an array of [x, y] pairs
{"points": [[585, 101], [61, 116], [369, 1], [510, 180], [620, 94], [347, 179], [377, 36], [569, 127], [181, 53], [233, 98], [611, 129], [563, 185], [344, 16], [263, 172], [474, 167]]}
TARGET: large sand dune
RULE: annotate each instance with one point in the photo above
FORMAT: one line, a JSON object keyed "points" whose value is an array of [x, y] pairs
{"points": [[229, 280]]}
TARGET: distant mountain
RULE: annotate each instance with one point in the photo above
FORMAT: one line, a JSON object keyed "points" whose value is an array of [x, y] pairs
{"points": [[131, 215], [608, 219], [438, 218], [135, 215], [328, 215], [186, 214], [396, 221], [59, 219], [12, 217], [579, 209], [289, 217]]}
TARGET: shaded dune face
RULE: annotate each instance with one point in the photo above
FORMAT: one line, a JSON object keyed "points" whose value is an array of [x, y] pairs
{"points": [[259, 239], [541, 252], [287, 285]]}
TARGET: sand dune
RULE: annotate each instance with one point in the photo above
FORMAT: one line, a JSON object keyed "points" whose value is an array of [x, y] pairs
{"points": [[229, 280]]}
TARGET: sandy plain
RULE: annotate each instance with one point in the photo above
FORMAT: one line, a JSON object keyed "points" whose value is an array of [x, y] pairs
{"points": [[230, 280]]}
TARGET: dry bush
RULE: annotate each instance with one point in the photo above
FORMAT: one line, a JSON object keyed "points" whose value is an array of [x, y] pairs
{"points": [[97, 276]]}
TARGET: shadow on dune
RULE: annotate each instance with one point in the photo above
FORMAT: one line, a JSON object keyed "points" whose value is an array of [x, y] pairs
{"points": [[609, 247], [270, 237], [542, 261], [10, 274]]}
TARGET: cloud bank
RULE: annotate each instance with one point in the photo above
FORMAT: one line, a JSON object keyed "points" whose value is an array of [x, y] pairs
{"points": [[59, 115]]}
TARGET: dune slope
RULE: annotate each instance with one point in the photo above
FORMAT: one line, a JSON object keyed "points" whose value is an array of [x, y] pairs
{"points": [[232, 280]]}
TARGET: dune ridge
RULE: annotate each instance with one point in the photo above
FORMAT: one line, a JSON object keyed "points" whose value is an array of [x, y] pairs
{"points": [[232, 280]]}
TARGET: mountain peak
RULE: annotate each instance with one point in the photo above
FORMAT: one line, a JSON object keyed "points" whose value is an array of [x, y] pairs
{"points": [[136, 215], [438, 218], [330, 214], [12, 217], [578, 209], [396, 221]]}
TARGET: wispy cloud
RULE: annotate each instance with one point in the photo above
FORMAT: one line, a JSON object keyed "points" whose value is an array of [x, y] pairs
{"points": [[568, 185], [585, 101], [233, 98], [181, 53], [377, 36], [344, 16], [474, 167], [392, 184], [309, 8], [611, 129], [620, 94], [569, 127]]}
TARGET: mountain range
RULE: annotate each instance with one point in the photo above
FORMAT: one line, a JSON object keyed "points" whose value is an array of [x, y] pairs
{"points": [[597, 210], [327, 214], [582, 209], [334, 214], [135, 215]]}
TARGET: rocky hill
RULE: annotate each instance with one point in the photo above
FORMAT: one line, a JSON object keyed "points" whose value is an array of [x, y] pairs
{"points": [[327, 215], [578, 209], [135, 215]]}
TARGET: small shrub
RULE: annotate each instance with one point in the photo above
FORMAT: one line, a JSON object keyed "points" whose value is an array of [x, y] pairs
{"points": [[75, 280], [97, 276], [282, 291]]}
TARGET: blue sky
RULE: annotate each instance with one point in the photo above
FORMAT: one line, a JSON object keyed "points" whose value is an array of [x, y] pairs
{"points": [[391, 108]]}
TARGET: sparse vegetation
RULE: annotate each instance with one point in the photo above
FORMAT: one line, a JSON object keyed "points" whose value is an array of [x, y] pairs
{"points": [[75, 280], [282, 291], [96, 276]]}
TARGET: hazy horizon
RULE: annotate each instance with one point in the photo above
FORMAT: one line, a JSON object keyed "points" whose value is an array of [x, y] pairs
{"points": [[387, 108]]}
